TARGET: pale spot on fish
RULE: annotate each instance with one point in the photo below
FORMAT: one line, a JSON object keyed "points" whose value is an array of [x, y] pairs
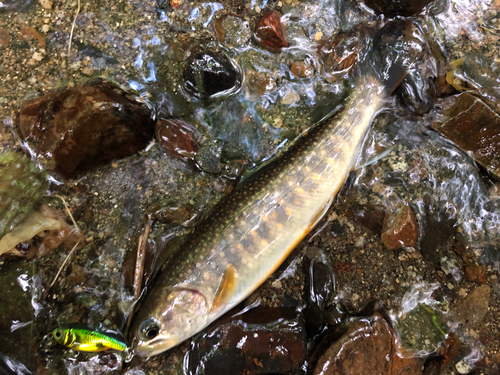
{"points": [[263, 243], [288, 211], [279, 226]]}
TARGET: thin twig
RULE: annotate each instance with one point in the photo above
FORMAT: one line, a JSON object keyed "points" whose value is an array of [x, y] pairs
{"points": [[72, 250], [68, 211], [139, 268], [72, 29], [62, 265]]}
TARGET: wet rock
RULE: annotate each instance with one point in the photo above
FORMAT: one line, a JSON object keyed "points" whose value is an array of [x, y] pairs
{"points": [[233, 31], [400, 228], [422, 329], [340, 54], [261, 341], [368, 347], [209, 74], [320, 290], [398, 7], [471, 310], [475, 272], [170, 211], [22, 184], [81, 128], [270, 31], [447, 352], [401, 41], [180, 139], [475, 128], [302, 69], [208, 158], [257, 84]]}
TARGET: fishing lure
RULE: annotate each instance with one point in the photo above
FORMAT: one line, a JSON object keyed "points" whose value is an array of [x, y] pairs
{"points": [[87, 341]]}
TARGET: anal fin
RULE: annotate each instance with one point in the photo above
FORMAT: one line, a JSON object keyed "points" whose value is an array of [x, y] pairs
{"points": [[225, 291]]}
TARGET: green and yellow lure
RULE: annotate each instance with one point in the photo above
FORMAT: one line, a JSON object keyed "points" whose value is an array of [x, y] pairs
{"points": [[87, 341]]}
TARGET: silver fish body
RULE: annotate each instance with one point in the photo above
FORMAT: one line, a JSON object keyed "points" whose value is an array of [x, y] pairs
{"points": [[252, 232]]}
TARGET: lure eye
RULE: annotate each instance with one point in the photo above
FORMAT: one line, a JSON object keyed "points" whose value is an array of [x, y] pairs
{"points": [[150, 328], [58, 334]]}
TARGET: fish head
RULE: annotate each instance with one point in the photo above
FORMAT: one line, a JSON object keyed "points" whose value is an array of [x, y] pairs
{"points": [[64, 336], [167, 319]]}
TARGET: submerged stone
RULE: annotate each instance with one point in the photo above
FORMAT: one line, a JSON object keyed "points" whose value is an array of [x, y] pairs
{"points": [[261, 341], [422, 329], [474, 127], [340, 54], [368, 347], [398, 7], [233, 31], [179, 138], [270, 31], [81, 128], [470, 311], [400, 228], [210, 74]]}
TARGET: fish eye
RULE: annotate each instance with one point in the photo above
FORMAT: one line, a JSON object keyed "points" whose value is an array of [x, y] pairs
{"points": [[150, 328]]}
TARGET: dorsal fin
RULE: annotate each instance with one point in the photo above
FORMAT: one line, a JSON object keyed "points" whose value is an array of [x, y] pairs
{"points": [[225, 290]]}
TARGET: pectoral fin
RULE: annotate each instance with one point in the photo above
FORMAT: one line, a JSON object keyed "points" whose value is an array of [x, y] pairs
{"points": [[225, 290]]}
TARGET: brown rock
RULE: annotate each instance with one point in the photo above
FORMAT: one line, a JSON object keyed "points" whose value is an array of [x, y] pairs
{"points": [[4, 37], [179, 138], [476, 272], [262, 341], [258, 84], [474, 127], [301, 69], [78, 129], [341, 53], [31, 33], [270, 31], [471, 310], [400, 228], [368, 347]]}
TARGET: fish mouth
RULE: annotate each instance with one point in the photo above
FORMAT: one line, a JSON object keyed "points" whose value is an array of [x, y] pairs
{"points": [[153, 347]]}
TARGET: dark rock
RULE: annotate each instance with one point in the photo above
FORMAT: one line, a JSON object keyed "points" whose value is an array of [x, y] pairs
{"points": [[78, 129], [209, 74], [401, 41], [393, 8], [400, 228], [180, 139], [474, 127], [320, 290], [476, 272], [170, 211], [368, 347], [261, 341], [270, 31]]}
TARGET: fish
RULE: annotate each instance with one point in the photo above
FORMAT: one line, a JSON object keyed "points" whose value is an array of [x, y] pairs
{"points": [[249, 235], [86, 340]]}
